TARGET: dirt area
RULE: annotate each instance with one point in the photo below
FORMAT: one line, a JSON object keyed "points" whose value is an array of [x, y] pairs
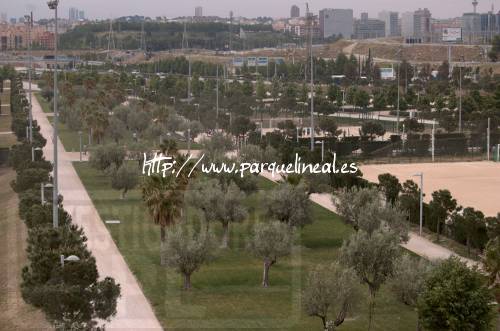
{"points": [[14, 313], [473, 184]]}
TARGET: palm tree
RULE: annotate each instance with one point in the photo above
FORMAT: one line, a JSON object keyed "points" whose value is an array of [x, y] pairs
{"points": [[164, 200]]}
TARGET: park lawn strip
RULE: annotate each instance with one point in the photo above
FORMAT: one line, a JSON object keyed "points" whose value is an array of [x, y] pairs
{"points": [[15, 314], [43, 102], [227, 293]]}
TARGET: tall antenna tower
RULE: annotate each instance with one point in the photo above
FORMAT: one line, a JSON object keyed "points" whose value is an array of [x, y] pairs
{"points": [[474, 4], [143, 39], [310, 18], [230, 30], [184, 37], [111, 38]]}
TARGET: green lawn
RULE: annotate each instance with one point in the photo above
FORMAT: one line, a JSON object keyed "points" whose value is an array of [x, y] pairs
{"points": [[43, 102], [69, 138], [227, 294]]}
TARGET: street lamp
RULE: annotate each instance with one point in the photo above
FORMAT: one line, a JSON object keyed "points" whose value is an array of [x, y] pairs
{"points": [[399, 77], [42, 191], [322, 142], [29, 22], [421, 175], [460, 98], [189, 141], [80, 137], [33, 149], [71, 258], [55, 217]]}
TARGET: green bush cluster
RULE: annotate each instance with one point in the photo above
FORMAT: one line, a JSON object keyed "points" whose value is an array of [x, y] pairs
{"points": [[71, 295]]}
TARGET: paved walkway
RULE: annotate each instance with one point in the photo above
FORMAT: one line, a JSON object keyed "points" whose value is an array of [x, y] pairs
{"points": [[134, 312], [416, 244]]}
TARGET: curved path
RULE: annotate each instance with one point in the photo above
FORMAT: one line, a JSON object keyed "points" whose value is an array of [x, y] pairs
{"points": [[416, 244], [134, 311]]}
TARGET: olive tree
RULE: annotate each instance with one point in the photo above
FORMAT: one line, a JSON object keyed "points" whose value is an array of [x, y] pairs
{"points": [[187, 251], [373, 258], [124, 178], [409, 280], [350, 202], [330, 290], [268, 242], [290, 204]]}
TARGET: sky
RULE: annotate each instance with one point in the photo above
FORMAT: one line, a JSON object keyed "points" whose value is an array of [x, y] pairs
{"points": [[248, 8]]}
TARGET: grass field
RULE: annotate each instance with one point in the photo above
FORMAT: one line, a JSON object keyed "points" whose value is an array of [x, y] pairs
{"points": [[43, 102], [227, 294], [14, 313]]}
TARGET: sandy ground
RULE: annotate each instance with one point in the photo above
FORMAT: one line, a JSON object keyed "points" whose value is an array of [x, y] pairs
{"points": [[134, 310], [15, 314], [416, 244], [473, 184]]}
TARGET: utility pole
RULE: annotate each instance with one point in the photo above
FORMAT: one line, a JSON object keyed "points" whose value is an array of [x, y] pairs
{"points": [[433, 141], [399, 80], [460, 101], [217, 99], [55, 197], [310, 30], [421, 175], [230, 30], [29, 20], [488, 131], [189, 82]]}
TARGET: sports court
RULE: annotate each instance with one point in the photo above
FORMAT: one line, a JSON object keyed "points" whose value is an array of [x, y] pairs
{"points": [[473, 184]]}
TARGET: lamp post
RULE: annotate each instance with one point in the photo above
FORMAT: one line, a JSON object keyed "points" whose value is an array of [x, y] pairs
{"points": [[421, 175], [55, 217], [29, 22], [71, 258], [80, 137], [189, 141], [399, 77], [33, 149], [42, 191], [322, 142], [460, 98]]}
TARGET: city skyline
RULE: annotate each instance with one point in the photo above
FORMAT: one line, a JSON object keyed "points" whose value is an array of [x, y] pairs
{"points": [[281, 8]]}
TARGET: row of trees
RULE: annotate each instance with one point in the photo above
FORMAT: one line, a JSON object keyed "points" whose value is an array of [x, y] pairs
{"points": [[72, 296], [442, 293]]}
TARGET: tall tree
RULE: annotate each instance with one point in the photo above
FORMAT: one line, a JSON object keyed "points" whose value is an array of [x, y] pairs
{"points": [[187, 251], [441, 207], [164, 199], [373, 258], [330, 290], [270, 241], [290, 204]]}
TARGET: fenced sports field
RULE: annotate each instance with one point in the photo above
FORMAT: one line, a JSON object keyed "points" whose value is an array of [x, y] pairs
{"points": [[473, 184]]}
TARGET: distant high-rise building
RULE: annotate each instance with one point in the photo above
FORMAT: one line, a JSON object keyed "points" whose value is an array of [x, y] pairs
{"points": [[367, 28], [391, 20], [336, 22], [407, 25], [295, 11], [422, 24], [81, 15], [73, 14], [198, 11], [3, 17]]}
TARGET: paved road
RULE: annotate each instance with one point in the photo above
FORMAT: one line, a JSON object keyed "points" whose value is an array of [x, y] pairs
{"points": [[416, 244], [134, 310]]}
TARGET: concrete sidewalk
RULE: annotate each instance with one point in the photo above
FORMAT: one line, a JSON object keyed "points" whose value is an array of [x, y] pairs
{"points": [[134, 311]]}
